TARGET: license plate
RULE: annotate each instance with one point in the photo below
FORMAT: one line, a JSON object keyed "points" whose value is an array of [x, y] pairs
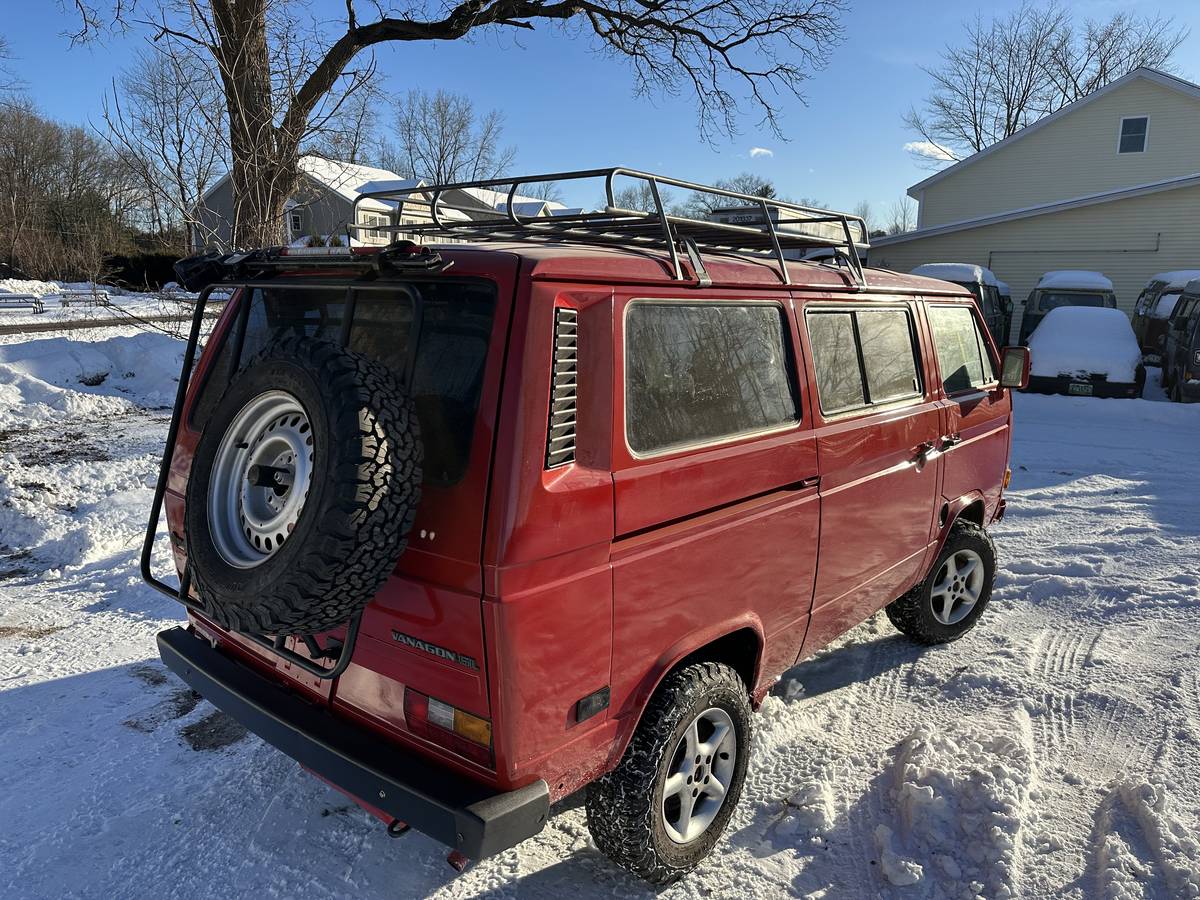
{"points": [[1081, 389]]}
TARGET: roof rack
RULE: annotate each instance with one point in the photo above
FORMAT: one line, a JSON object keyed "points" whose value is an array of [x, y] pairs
{"points": [[771, 226]]}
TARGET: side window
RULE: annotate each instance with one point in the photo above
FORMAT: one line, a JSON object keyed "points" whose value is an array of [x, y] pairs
{"points": [[887, 352], [961, 351], [698, 373], [862, 357], [835, 355]]}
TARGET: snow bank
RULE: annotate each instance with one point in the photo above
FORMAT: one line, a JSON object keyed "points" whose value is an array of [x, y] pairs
{"points": [[1075, 280], [143, 368], [1085, 340], [960, 273], [51, 288]]}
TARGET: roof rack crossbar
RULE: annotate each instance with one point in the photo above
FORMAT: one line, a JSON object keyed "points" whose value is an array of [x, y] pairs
{"points": [[785, 225]]}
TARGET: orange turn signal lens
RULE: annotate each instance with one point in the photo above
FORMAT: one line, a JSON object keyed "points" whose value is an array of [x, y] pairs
{"points": [[1007, 478]]}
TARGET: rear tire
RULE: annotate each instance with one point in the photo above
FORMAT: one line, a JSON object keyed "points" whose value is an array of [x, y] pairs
{"points": [[635, 811], [948, 603]]}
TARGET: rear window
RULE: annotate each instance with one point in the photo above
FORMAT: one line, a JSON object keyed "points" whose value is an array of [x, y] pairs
{"points": [[699, 373], [1165, 306], [962, 356], [863, 357], [443, 370], [1054, 299]]}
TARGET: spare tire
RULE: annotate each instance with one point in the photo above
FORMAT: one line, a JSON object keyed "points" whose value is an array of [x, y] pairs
{"points": [[302, 490]]}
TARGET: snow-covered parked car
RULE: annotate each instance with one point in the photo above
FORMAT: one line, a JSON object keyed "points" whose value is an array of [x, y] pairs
{"points": [[1065, 287], [1087, 351], [1153, 310]]}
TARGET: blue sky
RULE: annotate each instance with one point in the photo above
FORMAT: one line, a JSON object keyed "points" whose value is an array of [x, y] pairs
{"points": [[568, 108]]}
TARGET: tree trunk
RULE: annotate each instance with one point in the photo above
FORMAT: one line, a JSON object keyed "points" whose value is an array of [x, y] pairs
{"points": [[265, 157]]}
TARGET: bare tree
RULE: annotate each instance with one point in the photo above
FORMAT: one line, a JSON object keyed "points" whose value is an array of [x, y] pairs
{"points": [[278, 73], [1015, 69], [441, 138], [863, 210], [163, 120], [65, 197], [351, 132], [701, 205], [902, 216]]}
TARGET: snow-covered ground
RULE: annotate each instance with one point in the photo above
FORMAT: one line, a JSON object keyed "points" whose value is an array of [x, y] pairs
{"points": [[123, 305], [1055, 751]]}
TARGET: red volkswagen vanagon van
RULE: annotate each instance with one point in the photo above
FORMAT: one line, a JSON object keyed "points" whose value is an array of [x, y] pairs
{"points": [[468, 527]]}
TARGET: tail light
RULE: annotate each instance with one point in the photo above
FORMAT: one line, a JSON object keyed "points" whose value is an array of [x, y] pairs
{"points": [[455, 729]]}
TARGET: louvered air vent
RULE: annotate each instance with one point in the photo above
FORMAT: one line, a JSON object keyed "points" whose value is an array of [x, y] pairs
{"points": [[560, 443]]}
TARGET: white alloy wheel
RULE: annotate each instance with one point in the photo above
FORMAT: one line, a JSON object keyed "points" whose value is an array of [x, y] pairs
{"points": [[699, 776], [958, 587], [260, 479]]}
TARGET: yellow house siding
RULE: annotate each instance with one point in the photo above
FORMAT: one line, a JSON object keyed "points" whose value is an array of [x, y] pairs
{"points": [[1127, 240], [1074, 156]]}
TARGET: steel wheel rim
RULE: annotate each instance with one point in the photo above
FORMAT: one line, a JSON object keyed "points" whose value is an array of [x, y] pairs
{"points": [[699, 776], [957, 587], [260, 479]]}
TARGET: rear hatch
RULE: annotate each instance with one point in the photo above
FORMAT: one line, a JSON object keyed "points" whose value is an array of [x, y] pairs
{"points": [[444, 334]]}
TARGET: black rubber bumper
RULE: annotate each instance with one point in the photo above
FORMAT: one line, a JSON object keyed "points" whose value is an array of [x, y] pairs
{"points": [[1043, 384], [469, 817]]}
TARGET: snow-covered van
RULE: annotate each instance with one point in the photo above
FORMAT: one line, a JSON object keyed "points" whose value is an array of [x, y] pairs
{"points": [[1006, 301], [983, 285], [1153, 310], [1065, 287], [1086, 351], [1181, 349]]}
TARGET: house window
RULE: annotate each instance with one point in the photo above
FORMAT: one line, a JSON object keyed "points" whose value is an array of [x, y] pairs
{"points": [[297, 225], [1133, 134]]}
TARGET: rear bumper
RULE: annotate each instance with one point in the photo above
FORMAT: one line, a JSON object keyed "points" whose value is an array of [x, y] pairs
{"points": [[1043, 384], [475, 820]]}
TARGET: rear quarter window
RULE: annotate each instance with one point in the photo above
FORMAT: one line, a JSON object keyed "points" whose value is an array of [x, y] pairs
{"points": [[706, 372]]}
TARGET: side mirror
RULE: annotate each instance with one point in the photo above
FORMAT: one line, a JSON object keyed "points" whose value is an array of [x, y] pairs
{"points": [[1008, 307], [1014, 368]]}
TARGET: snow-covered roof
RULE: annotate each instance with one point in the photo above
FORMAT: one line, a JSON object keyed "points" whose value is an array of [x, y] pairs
{"points": [[1143, 72], [1075, 280], [1176, 279], [498, 200], [1085, 340], [960, 273], [348, 179]]}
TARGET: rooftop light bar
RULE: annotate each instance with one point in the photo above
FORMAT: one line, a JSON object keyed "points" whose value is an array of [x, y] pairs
{"points": [[773, 227]]}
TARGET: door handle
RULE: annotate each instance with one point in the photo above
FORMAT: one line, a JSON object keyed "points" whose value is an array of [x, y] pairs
{"points": [[925, 451], [949, 440]]}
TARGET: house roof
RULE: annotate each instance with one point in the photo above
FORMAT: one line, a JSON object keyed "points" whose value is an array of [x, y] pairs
{"points": [[1153, 75], [1153, 187], [348, 179]]}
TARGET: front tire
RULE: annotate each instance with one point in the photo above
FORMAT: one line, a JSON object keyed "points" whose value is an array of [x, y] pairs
{"points": [[665, 805], [948, 603]]}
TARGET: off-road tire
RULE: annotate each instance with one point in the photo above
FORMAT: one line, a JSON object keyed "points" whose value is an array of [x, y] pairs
{"points": [[624, 807], [365, 487], [913, 615]]}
